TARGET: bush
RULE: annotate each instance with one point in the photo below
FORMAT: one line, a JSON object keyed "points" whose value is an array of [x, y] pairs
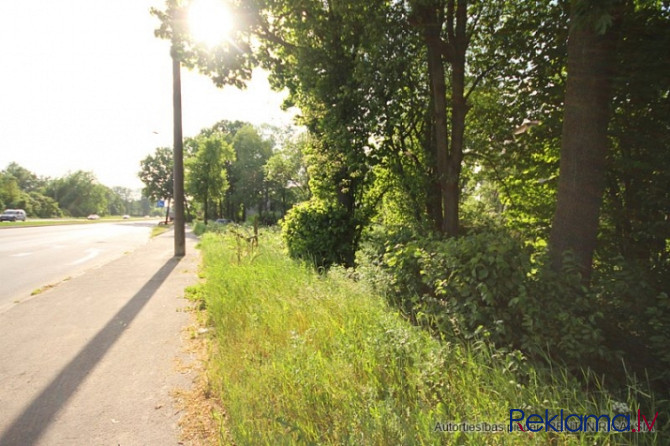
{"points": [[636, 306], [320, 232], [199, 227], [486, 283]]}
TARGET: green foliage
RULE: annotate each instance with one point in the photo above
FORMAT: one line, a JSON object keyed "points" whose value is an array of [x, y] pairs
{"points": [[634, 215], [486, 282], [79, 194], [125, 202], [514, 127], [206, 178], [359, 73], [286, 174], [303, 358], [635, 303], [321, 233], [199, 228], [39, 205], [228, 63], [248, 188], [156, 172], [26, 180], [22, 189], [262, 171]]}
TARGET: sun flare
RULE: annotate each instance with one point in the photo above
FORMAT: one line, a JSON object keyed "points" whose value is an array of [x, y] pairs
{"points": [[209, 21]]}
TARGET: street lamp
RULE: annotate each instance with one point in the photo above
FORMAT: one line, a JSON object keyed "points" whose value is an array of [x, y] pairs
{"points": [[208, 21]]}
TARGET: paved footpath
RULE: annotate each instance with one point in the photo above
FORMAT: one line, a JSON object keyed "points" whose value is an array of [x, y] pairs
{"points": [[92, 361]]}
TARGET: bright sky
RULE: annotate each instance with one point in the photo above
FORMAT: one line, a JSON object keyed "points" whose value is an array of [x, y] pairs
{"points": [[85, 85]]}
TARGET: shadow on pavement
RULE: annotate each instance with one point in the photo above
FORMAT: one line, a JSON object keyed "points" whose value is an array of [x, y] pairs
{"points": [[29, 426]]}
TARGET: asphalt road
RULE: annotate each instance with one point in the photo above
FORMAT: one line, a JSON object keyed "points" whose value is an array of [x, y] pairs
{"points": [[93, 361], [32, 258]]}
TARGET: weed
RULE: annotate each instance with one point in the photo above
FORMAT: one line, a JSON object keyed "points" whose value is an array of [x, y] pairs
{"points": [[309, 358]]}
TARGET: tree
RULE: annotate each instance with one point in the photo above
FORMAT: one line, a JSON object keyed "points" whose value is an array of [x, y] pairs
{"points": [[513, 134], [320, 52], [115, 204], [247, 176], [22, 189], [286, 174], [127, 198], [431, 17], [26, 180], [79, 194], [634, 215], [156, 172], [206, 175], [584, 141], [10, 193]]}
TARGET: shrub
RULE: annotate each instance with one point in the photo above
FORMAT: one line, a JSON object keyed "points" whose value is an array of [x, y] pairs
{"points": [[199, 228], [635, 302], [320, 232], [486, 283]]}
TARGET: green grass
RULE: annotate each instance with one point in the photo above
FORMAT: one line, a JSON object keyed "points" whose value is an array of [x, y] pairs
{"points": [[158, 230], [300, 358]]}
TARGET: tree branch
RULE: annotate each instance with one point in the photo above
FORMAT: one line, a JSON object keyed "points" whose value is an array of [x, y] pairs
{"points": [[496, 174], [270, 36], [479, 78]]}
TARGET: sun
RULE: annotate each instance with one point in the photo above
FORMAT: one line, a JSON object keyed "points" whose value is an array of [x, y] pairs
{"points": [[209, 21]]}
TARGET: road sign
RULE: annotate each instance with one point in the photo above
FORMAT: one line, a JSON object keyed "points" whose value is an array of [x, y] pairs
{"points": [[160, 204]]}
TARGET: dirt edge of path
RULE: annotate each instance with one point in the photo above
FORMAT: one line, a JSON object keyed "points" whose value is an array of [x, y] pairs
{"points": [[204, 419]]}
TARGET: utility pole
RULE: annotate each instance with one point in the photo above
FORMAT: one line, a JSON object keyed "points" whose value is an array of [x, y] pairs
{"points": [[178, 155]]}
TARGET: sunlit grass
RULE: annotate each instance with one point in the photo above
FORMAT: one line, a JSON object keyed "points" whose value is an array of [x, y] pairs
{"points": [[305, 359], [160, 229]]}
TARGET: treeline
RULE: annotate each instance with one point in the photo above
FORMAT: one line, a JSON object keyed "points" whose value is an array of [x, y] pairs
{"points": [[499, 168], [77, 194], [234, 170]]}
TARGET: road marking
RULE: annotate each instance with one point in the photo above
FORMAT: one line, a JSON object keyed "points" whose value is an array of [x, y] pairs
{"points": [[22, 254], [92, 253]]}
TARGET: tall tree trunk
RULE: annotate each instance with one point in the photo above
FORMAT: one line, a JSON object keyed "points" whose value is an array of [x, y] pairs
{"points": [[432, 184], [452, 51], [584, 144], [283, 202], [205, 205], [438, 88], [458, 45]]}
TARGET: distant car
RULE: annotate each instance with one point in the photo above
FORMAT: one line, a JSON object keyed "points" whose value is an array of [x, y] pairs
{"points": [[126, 217], [13, 215], [93, 217], [222, 221]]}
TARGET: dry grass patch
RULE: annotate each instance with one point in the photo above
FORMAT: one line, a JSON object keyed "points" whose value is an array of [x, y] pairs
{"points": [[203, 417]]}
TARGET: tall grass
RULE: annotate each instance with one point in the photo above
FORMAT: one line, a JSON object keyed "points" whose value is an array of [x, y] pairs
{"points": [[303, 358]]}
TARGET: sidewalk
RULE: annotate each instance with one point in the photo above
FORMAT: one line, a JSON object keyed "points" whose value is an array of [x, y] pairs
{"points": [[92, 361]]}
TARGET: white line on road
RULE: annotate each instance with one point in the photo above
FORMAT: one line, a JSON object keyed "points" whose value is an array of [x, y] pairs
{"points": [[92, 253], [22, 254]]}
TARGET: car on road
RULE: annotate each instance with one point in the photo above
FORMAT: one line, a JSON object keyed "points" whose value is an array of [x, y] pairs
{"points": [[93, 217], [13, 215], [222, 221]]}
